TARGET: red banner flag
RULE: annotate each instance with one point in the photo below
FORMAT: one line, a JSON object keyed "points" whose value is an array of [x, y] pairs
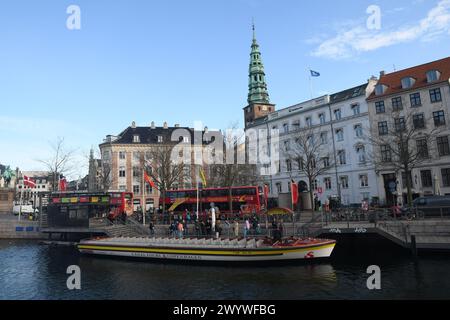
{"points": [[27, 181], [63, 184], [149, 180], [294, 192]]}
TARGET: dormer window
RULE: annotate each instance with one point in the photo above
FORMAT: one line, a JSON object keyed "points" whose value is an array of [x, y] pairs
{"points": [[136, 139], [160, 139], [433, 75], [408, 82], [380, 89]]}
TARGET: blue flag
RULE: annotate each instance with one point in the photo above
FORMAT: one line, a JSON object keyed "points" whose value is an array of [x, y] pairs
{"points": [[314, 73]]}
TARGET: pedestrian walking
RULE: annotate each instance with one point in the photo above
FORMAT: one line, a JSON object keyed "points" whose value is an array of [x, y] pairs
{"points": [[151, 227], [236, 228], [180, 230], [246, 227]]}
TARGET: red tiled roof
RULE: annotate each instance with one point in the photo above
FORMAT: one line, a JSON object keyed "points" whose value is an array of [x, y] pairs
{"points": [[393, 81]]}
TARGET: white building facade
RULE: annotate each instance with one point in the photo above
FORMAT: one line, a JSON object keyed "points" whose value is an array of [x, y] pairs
{"points": [[342, 121]]}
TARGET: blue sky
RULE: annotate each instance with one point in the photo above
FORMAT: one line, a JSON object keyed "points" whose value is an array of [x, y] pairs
{"points": [[185, 61]]}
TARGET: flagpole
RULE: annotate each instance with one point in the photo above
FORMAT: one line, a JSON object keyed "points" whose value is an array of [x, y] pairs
{"points": [[144, 207], [21, 197], [310, 84], [198, 200]]}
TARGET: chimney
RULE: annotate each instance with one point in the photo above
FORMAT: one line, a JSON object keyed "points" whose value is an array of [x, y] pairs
{"points": [[133, 125], [166, 125], [206, 129], [177, 125], [382, 73], [152, 125]]}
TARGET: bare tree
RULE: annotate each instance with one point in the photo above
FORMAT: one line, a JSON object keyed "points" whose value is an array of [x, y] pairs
{"points": [[60, 162], [233, 169], [310, 152], [402, 143], [165, 173]]}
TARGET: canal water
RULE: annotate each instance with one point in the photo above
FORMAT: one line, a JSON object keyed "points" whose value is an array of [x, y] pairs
{"points": [[29, 270]]}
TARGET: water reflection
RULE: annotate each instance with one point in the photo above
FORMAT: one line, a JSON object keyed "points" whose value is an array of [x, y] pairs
{"points": [[31, 271]]}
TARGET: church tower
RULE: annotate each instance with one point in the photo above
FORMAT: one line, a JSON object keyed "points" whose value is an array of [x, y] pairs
{"points": [[258, 97]]}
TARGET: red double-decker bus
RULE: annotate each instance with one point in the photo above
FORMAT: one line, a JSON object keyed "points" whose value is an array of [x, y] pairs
{"points": [[110, 204], [245, 200]]}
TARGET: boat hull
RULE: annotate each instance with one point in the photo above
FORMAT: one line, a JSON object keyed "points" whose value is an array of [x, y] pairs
{"points": [[321, 250]]}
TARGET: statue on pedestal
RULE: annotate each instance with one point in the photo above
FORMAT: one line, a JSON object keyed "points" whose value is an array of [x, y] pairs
{"points": [[7, 177]]}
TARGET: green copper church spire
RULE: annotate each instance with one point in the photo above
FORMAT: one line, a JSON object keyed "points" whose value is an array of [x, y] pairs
{"points": [[257, 87]]}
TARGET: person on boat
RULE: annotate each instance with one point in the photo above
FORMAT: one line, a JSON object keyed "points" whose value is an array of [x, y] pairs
{"points": [[197, 228], [188, 217], [236, 228], [203, 228], [280, 230], [208, 227]]}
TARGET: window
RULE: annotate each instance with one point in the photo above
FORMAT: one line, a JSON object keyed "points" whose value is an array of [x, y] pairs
{"points": [[286, 128], [279, 187], [356, 109], [443, 147], [160, 139], [308, 121], [327, 183], [363, 180], [446, 177], [148, 189], [326, 162], [324, 137], [433, 75], [399, 124], [337, 114], [439, 118], [435, 95], [422, 148], [288, 165], [358, 130], [136, 189], [310, 139], [296, 125], [340, 134], [136, 139], [122, 188], [361, 151], [322, 118], [386, 155], [383, 128], [287, 145], [122, 155], [314, 185], [408, 82], [342, 158], [380, 89], [418, 121], [344, 182], [312, 163], [379, 107], [136, 172], [415, 99], [122, 173], [397, 104], [427, 181]]}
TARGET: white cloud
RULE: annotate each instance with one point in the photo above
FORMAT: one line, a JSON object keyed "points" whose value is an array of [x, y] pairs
{"points": [[358, 39]]}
